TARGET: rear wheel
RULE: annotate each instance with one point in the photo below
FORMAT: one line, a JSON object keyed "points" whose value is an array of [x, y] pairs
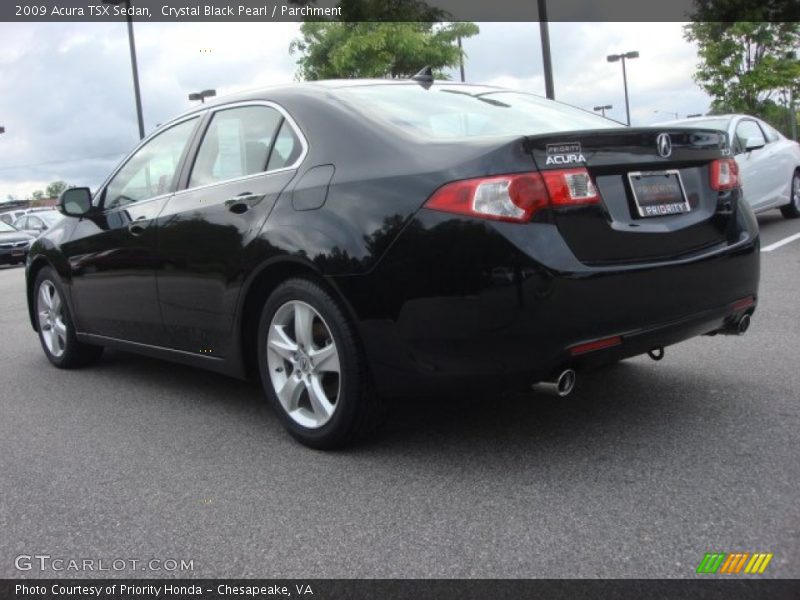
{"points": [[312, 368], [56, 329], [792, 210]]}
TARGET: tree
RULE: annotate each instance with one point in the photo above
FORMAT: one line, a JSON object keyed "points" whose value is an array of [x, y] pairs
{"points": [[744, 66], [54, 189], [37, 195], [330, 50]]}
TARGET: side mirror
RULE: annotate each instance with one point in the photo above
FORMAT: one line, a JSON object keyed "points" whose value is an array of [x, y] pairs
{"points": [[75, 202], [754, 143]]}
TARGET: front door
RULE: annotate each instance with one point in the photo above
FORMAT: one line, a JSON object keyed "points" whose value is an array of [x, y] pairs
{"points": [[112, 252]]}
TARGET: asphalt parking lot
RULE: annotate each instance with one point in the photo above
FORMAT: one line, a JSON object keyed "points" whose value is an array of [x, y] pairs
{"points": [[642, 471]]}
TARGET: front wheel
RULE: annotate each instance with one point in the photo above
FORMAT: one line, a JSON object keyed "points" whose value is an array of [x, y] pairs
{"points": [[792, 210], [312, 367], [55, 325]]}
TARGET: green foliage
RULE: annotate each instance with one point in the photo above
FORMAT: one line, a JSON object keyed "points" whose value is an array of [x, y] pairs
{"points": [[745, 66], [54, 189], [37, 195], [330, 50]]}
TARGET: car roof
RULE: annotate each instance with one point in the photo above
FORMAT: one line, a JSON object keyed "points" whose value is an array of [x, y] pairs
{"points": [[303, 87]]}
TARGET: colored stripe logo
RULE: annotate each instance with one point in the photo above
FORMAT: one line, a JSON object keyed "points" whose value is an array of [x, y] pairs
{"points": [[734, 563]]}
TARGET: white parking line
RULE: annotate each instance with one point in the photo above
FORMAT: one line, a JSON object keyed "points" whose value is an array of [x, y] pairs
{"points": [[780, 243]]}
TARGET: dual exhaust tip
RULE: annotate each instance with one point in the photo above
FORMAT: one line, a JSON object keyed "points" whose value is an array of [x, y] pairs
{"points": [[561, 385]]}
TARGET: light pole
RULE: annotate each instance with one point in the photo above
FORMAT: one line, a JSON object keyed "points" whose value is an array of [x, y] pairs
{"points": [[134, 66], [666, 112], [544, 33], [603, 109], [622, 57], [202, 95], [461, 59]]}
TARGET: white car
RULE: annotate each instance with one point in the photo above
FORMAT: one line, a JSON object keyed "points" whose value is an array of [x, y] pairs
{"points": [[769, 163]]}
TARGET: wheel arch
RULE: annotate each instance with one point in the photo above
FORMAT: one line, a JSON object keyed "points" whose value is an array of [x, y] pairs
{"points": [[37, 264], [257, 289]]}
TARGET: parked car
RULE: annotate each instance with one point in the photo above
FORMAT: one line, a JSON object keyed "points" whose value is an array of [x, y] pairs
{"points": [[14, 244], [10, 216], [37, 222], [349, 241], [769, 163]]}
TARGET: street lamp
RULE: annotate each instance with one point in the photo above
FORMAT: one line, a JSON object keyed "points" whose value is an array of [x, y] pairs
{"points": [[622, 57], [134, 66], [667, 112], [202, 95], [603, 108]]}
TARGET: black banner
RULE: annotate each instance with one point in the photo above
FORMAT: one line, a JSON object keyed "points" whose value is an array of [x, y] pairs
{"points": [[384, 589], [394, 10]]}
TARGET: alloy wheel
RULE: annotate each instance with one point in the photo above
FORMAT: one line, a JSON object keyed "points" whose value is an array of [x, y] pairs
{"points": [[796, 191], [50, 309], [303, 363]]}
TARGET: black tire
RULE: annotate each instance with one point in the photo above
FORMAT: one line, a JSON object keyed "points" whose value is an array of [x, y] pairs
{"points": [[357, 409], [75, 354], [792, 210]]}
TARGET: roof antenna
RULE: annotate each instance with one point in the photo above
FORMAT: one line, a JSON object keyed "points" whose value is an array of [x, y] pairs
{"points": [[424, 77]]}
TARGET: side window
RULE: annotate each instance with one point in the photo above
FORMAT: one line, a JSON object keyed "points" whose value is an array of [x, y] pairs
{"points": [[236, 144], [745, 130], [35, 223], [20, 223], [770, 132], [150, 172], [287, 148]]}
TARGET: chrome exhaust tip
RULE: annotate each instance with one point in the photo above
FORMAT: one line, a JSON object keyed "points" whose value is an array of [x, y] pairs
{"points": [[561, 386], [743, 325]]}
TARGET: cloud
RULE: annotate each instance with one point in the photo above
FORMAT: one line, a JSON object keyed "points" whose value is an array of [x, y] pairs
{"points": [[68, 105]]}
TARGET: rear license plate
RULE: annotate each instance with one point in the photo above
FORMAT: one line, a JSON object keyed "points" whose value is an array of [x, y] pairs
{"points": [[658, 193]]}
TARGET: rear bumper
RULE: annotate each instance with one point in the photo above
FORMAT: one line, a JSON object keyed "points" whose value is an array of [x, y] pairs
{"points": [[460, 303]]}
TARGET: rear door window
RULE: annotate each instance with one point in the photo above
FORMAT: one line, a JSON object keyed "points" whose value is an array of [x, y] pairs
{"points": [[236, 144], [745, 130]]}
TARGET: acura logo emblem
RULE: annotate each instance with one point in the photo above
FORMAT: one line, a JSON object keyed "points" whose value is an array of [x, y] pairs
{"points": [[664, 145]]}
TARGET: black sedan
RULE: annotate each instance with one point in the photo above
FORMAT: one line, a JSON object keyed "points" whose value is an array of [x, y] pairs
{"points": [[14, 244], [350, 241]]}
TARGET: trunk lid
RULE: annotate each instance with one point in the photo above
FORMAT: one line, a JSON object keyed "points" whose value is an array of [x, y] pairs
{"points": [[656, 197]]}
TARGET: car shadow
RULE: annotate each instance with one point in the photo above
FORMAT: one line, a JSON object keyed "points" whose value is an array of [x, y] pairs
{"points": [[632, 400]]}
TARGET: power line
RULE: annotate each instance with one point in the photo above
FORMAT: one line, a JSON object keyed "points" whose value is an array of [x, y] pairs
{"points": [[59, 162]]}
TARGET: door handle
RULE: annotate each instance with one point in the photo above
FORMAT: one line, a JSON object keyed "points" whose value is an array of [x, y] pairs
{"points": [[241, 203], [139, 226]]}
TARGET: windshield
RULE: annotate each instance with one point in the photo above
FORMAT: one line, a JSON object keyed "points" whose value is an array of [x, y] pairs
{"points": [[451, 111], [6, 228]]}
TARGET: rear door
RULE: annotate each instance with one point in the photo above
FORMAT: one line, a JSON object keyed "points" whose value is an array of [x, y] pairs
{"points": [[112, 251], [628, 225], [247, 155]]}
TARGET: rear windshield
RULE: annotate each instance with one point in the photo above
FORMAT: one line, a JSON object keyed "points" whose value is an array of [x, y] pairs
{"points": [[719, 124], [449, 111]]}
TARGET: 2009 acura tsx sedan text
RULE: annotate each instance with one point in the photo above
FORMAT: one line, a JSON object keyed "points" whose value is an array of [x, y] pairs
{"points": [[348, 241]]}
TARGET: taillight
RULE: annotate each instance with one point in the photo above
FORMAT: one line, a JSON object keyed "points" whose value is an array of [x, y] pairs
{"points": [[724, 174], [570, 187], [505, 198], [515, 197]]}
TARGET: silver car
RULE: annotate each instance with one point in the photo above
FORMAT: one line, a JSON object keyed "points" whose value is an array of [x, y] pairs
{"points": [[769, 163]]}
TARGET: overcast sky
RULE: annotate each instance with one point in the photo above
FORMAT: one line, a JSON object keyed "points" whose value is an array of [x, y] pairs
{"points": [[67, 98]]}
